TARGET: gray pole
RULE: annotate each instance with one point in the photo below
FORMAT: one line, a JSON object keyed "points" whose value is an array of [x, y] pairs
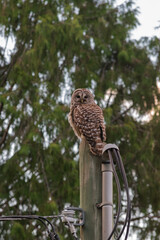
{"points": [[90, 193], [107, 200]]}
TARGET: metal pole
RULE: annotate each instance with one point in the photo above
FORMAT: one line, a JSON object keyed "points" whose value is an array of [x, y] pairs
{"points": [[107, 199]]}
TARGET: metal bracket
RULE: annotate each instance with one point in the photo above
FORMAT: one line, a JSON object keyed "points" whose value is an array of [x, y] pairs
{"points": [[100, 205], [69, 218], [109, 146], [69, 215]]}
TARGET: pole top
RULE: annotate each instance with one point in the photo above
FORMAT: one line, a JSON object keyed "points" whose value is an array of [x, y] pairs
{"points": [[109, 146]]}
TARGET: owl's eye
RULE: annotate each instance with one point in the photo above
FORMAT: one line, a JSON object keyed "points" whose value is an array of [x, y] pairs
{"points": [[78, 96], [85, 96]]}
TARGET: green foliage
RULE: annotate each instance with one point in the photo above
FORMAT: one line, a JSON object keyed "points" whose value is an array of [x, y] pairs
{"points": [[17, 232], [123, 57], [60, 46]]}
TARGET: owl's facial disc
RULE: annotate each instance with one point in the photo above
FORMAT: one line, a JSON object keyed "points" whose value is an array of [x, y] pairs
{"points": [[78, 97], [84, 98], [81, 97]]}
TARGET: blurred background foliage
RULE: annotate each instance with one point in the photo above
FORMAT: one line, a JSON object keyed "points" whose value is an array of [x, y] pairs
{"points": [[59, 46]]}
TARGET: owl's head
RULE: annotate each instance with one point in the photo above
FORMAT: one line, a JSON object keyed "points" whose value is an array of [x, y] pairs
{"points": [[82, 96]]}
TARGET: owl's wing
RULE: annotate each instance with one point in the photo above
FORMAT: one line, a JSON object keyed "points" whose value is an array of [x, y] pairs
{"points": [[89, 120]]}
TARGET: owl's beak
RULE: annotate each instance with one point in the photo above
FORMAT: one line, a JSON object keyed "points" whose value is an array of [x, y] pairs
{"points": [[82, 100]]}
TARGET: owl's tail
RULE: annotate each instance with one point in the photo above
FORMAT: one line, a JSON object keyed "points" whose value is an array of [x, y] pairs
{"points": [[97, 148]]}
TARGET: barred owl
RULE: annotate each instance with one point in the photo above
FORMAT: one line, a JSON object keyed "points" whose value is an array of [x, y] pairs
{"points": [[86, 119]]}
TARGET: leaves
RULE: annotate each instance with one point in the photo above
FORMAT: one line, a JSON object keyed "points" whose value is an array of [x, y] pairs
{"points": [[60, 46]]}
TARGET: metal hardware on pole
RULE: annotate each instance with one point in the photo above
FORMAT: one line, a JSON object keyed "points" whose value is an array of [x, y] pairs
{"points": [[107, 193], [107, 199], [96, 193]]}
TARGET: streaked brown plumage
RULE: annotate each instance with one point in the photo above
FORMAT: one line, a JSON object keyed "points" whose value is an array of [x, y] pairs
{"points": [[86, 119]]}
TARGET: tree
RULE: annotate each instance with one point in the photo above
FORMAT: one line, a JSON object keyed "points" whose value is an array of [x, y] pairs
{"points": [[60, 46]]}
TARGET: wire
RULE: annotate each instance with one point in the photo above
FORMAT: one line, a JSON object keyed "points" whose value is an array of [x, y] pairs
{"points": [[55, 236], [112, 148], [124, 178], [52, 234], [119, 194], [128, 215], [67, 217]]}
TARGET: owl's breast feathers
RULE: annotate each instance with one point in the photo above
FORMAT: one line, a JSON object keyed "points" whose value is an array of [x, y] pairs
{"points": [[87, 121]]}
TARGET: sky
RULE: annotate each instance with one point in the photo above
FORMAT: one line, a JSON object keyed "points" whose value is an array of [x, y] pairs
{"points": [[149, 18]]}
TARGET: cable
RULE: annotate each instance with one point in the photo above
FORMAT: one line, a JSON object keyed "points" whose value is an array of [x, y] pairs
{"points": [[124, 178], [112, 148], [52, 234], [128, 215], [67, 215], [119, 194]]}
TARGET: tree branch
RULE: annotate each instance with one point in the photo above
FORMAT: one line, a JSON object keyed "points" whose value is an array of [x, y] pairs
{"points": [[8, 68], [123, 113], [154, 217], [2, 104], [145, 216], [5, 133], [45, 176]]}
